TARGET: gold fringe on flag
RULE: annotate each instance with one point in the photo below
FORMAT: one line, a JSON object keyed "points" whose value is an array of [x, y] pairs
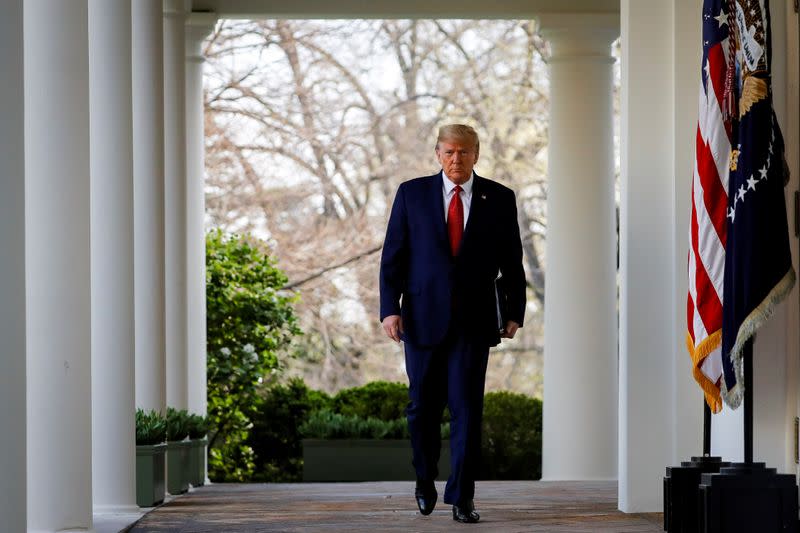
{"points": [[754, 320]]}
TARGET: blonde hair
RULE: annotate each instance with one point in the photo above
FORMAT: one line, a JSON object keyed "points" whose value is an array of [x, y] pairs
{"points": [[458, 132]]}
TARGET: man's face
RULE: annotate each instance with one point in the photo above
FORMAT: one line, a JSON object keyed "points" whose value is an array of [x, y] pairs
{"points": [[457, 159]]}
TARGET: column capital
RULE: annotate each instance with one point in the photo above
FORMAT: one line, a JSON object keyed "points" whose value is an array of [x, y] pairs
{"points": [[198, 26], [583, 36]]}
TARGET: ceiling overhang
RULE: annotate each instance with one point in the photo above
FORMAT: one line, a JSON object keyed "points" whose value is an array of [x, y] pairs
{"points": [[401, 9]]}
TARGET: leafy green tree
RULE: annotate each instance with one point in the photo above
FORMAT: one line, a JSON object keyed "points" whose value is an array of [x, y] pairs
{"points": [[250, 322]]}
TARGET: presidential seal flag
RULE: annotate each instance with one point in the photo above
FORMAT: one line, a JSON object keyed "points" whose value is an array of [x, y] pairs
{"points": [[758, 264], [708, 229]]}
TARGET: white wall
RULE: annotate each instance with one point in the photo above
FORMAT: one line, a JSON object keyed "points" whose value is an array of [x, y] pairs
{"points": [[790, 124]]}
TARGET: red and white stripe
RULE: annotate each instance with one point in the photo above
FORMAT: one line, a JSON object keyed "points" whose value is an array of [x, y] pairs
{"points": [[708, 231]]}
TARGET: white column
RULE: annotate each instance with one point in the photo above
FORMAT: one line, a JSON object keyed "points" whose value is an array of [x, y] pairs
{"points": [[148, 194], [113, 388], [580, 365], [175, 202], [12, 266], [58, 265], [198, 27], [651, 344]]}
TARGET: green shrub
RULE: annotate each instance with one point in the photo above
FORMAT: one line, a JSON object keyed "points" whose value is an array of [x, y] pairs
{"points": [[177, 424], [151, 427], [250, 322], [275, 436], [512, 437], [326, 424], [379, 399], [197, 426]]}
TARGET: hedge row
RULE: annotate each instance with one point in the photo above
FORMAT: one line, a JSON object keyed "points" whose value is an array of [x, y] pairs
{"points": [[512, 427]]}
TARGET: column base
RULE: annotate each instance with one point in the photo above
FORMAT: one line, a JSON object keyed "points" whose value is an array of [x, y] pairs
{"points": [[746, 497], [89, 530], [120, 519], [115, 509], [680, 492]]}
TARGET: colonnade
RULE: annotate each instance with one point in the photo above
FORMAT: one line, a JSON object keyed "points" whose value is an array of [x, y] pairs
{"points": [[101, 228], [100, 216], [113, 274]]}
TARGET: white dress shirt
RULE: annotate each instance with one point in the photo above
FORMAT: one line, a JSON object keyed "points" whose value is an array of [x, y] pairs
{"points": [[466, 195]]}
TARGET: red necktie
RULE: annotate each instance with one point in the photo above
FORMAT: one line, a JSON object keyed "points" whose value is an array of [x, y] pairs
{"points": [[455, 220]]}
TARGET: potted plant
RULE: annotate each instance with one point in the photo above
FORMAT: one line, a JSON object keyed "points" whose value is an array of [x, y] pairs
{"points": [[151, 432], [198, 427], [339, 447], [178, 447]]}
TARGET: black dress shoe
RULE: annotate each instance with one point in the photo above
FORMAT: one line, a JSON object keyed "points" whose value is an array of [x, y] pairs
{"points": [[425, 494], [466, 513]]}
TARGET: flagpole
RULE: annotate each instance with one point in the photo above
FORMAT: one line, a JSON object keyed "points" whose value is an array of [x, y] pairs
{"points": [[706, 429], [747, 355]]}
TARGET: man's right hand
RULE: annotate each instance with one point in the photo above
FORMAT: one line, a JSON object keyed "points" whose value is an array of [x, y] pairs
{"points": [[393, 326]]}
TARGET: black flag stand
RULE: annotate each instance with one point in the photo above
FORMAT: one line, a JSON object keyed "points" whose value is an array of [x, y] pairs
{"points": [[746, 497], [681, 512]]}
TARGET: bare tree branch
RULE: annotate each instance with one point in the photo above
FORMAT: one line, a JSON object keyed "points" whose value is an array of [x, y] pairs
{"points": [[325, 270]]}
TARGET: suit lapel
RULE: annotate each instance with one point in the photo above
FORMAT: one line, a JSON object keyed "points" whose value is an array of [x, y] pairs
{"points": [[476, 209], [437, 208]]}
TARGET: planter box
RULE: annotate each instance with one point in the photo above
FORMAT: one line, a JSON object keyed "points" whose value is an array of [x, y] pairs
{"points": [[178, 466], [150, 474], [197, 462], [364, 460]]}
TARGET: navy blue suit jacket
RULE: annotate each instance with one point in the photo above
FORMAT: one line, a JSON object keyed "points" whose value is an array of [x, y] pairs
{"points": [[422, 282]]}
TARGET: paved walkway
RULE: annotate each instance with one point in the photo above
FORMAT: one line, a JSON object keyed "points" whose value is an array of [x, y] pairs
{"points": [[505, 506]]}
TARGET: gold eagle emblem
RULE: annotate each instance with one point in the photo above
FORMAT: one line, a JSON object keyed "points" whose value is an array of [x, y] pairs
{"points": [[753, 90]]}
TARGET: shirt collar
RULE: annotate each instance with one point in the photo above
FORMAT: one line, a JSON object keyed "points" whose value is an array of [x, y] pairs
{"points": [[449, 185]]}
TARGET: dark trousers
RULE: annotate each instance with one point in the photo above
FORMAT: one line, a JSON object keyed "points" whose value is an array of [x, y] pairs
{"points": [[453, 374]]}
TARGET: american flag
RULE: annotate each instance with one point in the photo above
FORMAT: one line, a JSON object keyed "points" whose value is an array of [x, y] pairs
{"points": [[758, 262], [708, 230]]}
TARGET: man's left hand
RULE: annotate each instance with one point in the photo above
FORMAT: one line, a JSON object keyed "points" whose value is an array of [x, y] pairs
{"points": [[510, 330]]}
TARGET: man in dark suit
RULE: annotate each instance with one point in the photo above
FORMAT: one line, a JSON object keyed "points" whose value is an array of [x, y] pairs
{"points": [[450, 236]]}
